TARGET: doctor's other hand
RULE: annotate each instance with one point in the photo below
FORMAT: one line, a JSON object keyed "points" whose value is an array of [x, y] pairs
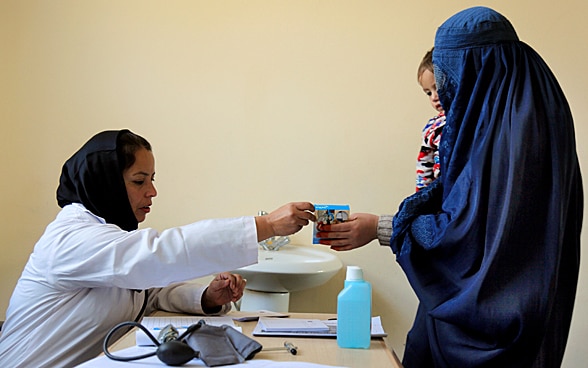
{"points": [[224, 288], [286, 220], [360, 229]]}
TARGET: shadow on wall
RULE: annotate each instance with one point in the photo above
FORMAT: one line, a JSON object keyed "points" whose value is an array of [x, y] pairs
{"points": [[322, 299]]}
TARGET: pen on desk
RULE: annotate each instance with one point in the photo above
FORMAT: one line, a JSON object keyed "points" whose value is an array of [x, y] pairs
{"points": [[291, 348], [287, 345]]}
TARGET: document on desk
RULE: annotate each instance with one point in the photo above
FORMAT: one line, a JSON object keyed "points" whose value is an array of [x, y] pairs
{"points": [[105, 362], [181, 323], [292, 325], [296, 327]]}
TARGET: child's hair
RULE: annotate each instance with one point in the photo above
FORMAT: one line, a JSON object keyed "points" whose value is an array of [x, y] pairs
{"points": [[426, 64]]}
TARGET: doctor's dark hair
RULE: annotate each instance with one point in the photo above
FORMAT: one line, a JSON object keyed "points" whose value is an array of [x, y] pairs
{"points": [[127, 143]]}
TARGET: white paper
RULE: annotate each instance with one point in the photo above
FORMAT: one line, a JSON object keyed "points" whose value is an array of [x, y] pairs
{"points": [[105, 362], [377, 330], [155, 324], [292, 325]]}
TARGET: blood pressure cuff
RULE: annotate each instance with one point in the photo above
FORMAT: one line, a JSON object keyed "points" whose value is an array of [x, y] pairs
{"points": [[222, 345]]}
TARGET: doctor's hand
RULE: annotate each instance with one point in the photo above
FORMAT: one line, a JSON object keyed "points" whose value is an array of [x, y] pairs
{"points": [[360, 229], [286, 220], [224, 288]]}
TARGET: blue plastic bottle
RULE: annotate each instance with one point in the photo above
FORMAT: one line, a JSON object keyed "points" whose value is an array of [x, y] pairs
{"points": [[354, 311]]}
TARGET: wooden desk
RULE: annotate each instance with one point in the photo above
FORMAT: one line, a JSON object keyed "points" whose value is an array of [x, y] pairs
{"points": [[313, 350]]}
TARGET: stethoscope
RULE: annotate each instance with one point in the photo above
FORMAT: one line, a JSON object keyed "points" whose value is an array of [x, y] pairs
{"points": [[171, 350], [171, 347]]}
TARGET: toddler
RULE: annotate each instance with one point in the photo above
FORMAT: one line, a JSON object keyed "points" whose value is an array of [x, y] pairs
{"points": [[427, 168]]}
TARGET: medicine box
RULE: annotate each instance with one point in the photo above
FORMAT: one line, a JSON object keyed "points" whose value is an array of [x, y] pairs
{"points": [[327, 214]]}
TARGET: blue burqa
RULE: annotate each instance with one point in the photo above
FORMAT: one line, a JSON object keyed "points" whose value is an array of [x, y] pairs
{"points": [[492, 247]]}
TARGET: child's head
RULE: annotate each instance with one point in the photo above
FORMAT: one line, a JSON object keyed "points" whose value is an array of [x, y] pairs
{"points": [[426, 79]]}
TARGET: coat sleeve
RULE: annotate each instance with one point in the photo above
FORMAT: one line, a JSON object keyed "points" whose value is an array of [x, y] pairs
{"points": [[181, 298], [74, 253]]}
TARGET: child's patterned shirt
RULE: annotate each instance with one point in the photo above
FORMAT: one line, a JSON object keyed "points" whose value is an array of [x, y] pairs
{"points": [[427, 167]]}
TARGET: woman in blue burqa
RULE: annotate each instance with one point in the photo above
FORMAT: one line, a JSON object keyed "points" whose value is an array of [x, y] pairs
{"points": [[492, 247]]}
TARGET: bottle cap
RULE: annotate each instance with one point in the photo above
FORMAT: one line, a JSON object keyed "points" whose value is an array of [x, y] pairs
{"points": [[354, 273]]}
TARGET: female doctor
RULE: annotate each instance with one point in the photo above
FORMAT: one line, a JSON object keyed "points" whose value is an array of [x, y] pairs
{"points": [[92, 268]]}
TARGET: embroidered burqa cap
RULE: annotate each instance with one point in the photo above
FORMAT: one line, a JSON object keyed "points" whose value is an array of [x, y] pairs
{"points": [[491, 248], [93, 177]]}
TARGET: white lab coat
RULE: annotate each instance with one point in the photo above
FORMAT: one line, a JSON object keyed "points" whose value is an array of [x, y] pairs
{"points": [[78, 281]]}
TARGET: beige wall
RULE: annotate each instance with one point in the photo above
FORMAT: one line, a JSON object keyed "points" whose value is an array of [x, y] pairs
{"points": [[248, 104]]}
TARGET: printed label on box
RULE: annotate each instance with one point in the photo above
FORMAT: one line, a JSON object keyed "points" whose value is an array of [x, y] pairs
{"points": [[327, 214]]}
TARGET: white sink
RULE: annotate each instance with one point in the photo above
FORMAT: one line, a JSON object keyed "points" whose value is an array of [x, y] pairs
{"points": [[291, 268]]}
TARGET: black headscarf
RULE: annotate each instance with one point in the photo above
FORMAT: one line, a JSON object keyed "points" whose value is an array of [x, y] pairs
{"points": [[93, 177], [492, 247]]}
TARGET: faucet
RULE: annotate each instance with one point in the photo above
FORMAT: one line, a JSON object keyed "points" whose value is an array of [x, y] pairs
{"points": [[275, 242]]}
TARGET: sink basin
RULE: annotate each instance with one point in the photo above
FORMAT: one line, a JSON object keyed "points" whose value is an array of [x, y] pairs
{"points": [[291, 268]]}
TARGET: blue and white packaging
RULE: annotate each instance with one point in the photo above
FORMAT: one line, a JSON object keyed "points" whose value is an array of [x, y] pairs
{"points": [[327, 214]]}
